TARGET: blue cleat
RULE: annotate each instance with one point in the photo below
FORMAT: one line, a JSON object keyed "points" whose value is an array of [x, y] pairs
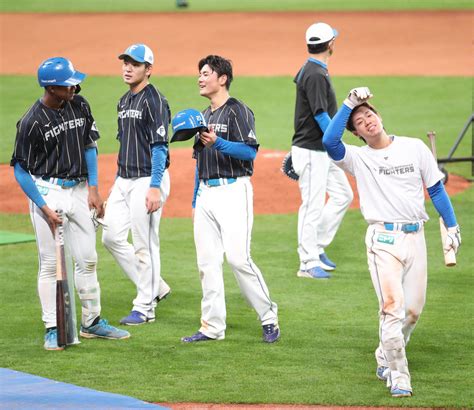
{"points": [[326, 263], [382, 373], [51, 340], [396, 392], [271, 333], [136, 318], [314, 273], [103, 330], [196, 337]]}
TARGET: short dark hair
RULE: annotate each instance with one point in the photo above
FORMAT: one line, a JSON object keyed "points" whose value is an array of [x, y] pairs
{"points": [[318, 48], [350, 122], [220, 65]]}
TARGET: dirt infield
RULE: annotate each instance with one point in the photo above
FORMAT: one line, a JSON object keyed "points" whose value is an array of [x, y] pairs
{"points": [[264, 44], [274, 193]]}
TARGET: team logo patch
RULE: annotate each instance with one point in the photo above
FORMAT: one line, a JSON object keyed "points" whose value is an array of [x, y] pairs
{"points": [[42, 190], [384, 238], [161, 131]]}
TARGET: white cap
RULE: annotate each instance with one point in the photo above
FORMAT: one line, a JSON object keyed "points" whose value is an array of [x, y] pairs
{"points": [[139, 52], [320, 33]]}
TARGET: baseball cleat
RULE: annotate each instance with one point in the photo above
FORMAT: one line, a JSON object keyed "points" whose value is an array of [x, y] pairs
{"points": [[314, 273], [396, 392], [382, 373], [51, 340], [196, 337], [271, 333], [326, 263], [135, 318], [103, 330]]}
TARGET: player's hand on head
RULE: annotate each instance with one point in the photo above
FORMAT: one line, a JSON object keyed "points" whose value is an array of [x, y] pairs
{"points": [[357, 96], [453, 239], [153, 199]]}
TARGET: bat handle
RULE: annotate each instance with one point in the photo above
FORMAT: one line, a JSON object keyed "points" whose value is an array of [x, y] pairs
{"points": [[449, 256], [432, 136]]}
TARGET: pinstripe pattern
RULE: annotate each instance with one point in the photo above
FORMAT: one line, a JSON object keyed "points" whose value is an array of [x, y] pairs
{"points": [[143, 120], [51, 142], [234, 121]]}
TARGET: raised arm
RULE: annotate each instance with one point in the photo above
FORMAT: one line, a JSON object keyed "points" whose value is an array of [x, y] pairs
{"points": [[332, 138]]}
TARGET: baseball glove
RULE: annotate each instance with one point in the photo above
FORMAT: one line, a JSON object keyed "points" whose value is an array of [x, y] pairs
{"points": [[287, 167]]}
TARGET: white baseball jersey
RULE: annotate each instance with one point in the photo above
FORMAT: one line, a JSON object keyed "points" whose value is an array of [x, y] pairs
{"points": [[390, 180], [390, 183]]}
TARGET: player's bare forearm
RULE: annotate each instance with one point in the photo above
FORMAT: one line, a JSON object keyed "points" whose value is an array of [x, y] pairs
{"points": [[95, 201], [153, 199]]}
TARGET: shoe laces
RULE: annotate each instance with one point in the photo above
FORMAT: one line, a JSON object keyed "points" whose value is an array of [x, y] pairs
{"points": [[268, 329], [104, 323], [51, 334]]}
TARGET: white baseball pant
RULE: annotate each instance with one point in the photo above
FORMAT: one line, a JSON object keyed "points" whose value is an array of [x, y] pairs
{"points": [[318, 219], [398, 268], [223, 220], [125, 211], [79, 238]]}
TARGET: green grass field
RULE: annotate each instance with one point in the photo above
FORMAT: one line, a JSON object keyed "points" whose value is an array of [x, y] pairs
{"points": [[112, 6], [329, 328], [409, 106]]}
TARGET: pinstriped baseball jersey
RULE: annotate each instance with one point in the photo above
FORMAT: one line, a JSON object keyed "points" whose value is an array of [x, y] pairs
{"points": [[234, 121], [50, 143], [143, 120]]}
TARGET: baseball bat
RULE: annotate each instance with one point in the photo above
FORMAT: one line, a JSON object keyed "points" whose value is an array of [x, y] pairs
{"points": [[63, 300], [449, 256]]}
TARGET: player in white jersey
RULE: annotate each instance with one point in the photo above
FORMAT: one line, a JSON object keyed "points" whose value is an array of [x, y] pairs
{"points": [[142, 184], [391, 172]]}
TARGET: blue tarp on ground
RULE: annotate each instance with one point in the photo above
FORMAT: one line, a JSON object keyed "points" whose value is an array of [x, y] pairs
{"points": [[25, 391]]}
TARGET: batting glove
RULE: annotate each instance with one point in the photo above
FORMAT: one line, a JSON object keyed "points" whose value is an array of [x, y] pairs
{"points": [[357, 96], [453, 239]]}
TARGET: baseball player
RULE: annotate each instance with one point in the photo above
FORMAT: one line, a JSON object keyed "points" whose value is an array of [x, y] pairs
{"points": [[223, 205], [318, 220], [55, 163], [142, 185], [391, 172]]}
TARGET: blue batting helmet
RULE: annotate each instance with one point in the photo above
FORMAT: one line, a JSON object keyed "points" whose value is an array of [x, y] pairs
{"points": [[58, 71], [186, 124]]}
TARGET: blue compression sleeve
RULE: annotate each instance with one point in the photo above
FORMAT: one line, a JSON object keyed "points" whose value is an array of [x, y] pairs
{"points": [[196, 187], [442, 203], [323, 120], [28, 185], [158, 163], [238, 150], [92, 168], [333, 135]]}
